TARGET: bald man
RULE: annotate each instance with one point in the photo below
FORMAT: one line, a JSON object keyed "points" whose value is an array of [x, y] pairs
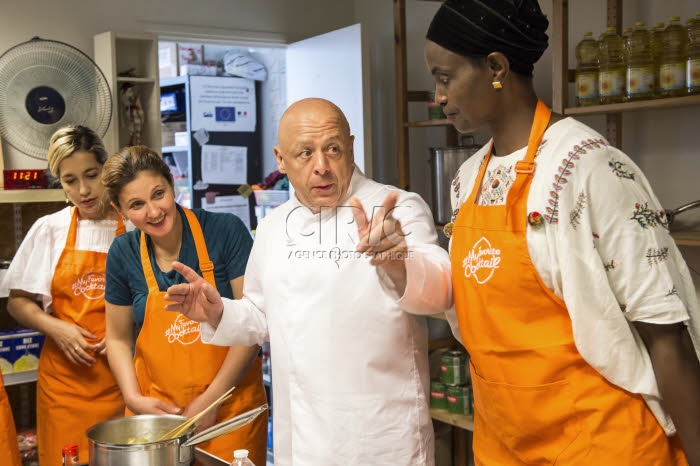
{"points": [[339, 280]]}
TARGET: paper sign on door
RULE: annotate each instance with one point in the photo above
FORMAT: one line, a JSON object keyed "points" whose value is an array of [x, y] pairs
{"points": [[224, 164]]}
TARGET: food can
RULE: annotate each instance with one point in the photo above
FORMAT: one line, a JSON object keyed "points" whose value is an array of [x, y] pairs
{"points": [[459, 399], [452, 367], [438, 395], [70, 455], [434, 109]]}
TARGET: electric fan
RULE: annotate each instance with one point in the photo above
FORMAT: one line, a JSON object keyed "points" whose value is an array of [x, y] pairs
{"points": [[44, 85]]}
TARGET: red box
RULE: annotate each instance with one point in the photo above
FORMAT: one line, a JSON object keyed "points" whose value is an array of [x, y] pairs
{"points": [[26, 179]]}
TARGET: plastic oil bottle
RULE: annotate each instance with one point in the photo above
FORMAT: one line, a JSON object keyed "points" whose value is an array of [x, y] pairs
{"points": [[587, 71], [656, 41], [693, 77], [674, 60], [240, 458], [613, 67], [640, 64]]}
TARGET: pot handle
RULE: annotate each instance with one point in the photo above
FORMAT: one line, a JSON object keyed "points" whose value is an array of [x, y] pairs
{"points": [[225, 427]]}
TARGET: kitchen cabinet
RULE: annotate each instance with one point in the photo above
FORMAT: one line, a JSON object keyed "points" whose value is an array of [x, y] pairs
{"points": [[130, 59], [562, 76]]}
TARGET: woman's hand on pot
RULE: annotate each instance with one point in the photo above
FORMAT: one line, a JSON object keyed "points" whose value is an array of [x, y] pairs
{"points": [[149, 405], [198, 405], [197, 300]]}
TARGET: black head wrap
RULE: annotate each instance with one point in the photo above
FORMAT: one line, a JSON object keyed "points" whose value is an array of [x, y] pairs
{"points": [[475, 28]]}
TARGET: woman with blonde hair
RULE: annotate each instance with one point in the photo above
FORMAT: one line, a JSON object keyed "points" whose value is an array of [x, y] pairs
{"points": [[56, 286]]}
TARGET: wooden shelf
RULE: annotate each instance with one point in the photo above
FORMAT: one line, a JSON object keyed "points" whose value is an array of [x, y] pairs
{"points": [[17, 378], [127, 79], [457, 420], [31, 195], [637, 106], [167, 149], [686, 238], [427, 123]]}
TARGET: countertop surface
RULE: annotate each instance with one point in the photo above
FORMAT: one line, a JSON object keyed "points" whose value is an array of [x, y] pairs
{"points": [[205, 459]]}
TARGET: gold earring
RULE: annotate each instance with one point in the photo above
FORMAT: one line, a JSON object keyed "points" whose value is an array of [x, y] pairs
{"points": [[497, 85]]}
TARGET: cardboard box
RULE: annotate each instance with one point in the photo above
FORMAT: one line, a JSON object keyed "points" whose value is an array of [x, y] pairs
{"points": [[20, 350], [193, 69], [190, 53], [168, 130], [270, 197], [168, 63], [181, 139]]}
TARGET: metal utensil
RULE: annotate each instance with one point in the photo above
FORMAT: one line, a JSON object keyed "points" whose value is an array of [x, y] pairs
{"points": [[671, 214]]}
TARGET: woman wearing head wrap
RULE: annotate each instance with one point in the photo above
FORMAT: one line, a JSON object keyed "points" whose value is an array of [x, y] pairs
{"points": [[573, 301]]}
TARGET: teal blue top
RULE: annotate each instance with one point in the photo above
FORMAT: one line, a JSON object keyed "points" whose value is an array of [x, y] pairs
{"points": [[228, 244]]}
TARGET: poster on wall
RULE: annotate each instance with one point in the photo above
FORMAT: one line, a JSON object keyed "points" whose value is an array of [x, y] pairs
{"points": [[224, 164], [221, 103]]}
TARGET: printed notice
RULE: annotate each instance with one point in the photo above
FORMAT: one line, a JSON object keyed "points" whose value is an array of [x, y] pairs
{"points": [[236, 205], [222, 103], [224, 164]]}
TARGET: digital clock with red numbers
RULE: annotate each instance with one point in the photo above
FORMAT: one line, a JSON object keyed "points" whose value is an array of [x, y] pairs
{"points": [[26, 179]]}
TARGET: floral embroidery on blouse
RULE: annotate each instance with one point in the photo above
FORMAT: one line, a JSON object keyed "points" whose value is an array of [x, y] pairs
{"points": [[496, 184], [564, 172], [618, 169], [647, 217], [656, 256], [577, 211]]}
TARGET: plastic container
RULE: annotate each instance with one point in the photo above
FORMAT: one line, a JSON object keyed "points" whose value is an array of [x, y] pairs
{"points": [[656, 43], [693, 77], [613, 68], [240, 458], [270, 197], [587, 69], [640, 64], [674, 60]]}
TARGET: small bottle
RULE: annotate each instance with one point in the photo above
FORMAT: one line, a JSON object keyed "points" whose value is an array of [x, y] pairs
{"points": [[70, 455], [613, 68], [674, 60], [240, 458], [640, 64], [656, 42], [587, 71], [693, 77]]}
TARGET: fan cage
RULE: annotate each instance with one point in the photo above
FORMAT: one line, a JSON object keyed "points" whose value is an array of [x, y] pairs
{"points": [[70, 72]]}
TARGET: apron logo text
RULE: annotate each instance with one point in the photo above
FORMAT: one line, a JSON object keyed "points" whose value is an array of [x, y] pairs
{"points": [[481, 261], [90, 284], [184, 330]]}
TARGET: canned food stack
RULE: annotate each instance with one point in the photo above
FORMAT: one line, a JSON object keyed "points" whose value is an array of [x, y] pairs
{"points": [[453, 391]]}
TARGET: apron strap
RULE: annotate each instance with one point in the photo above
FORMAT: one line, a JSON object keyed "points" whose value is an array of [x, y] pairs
{"points": [[73, 229], [205, 264]]}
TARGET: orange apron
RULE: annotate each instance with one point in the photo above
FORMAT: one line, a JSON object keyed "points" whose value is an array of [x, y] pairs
{"points": [[71, 398], [536, 400], [174, 365], [9, 448]]}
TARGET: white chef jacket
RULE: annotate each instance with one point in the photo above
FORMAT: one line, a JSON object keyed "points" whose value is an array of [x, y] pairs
{"points": [[602, 249], [349, 356], [33, 265]]}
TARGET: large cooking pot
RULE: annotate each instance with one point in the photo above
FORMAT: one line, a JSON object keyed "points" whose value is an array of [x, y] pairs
{"points": [[132, 441], [444, 163]]}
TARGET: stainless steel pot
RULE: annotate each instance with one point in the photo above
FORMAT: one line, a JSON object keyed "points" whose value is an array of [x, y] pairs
{"points": [[444, 163], [113, 442]]}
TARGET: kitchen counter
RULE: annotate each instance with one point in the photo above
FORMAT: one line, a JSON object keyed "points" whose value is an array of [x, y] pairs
{"points": [[205, 459]]}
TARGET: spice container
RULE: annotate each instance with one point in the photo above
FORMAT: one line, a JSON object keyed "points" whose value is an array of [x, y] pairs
{"points": [[434, 109]]}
